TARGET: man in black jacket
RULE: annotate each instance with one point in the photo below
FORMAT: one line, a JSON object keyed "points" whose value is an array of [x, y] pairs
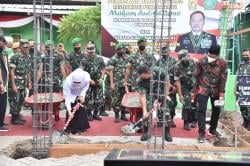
{"points": [[4, 75]]}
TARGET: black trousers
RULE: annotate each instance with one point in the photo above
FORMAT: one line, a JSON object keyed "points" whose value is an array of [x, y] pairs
{"points": [[3, 105], [80, 122], [202, 107]]}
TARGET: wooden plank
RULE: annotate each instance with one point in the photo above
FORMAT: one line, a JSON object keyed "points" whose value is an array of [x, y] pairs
{"points": [[242, 142], [238, 32], [64, 150]]}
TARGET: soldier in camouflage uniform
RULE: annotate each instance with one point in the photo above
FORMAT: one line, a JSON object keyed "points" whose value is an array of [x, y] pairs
{"points": [[140, 57], [185, 80], [128, 49], [19, 69], [211, 75], [58, 65], [169, 62], [95, 66], [244, 70], [131, 75], [75, 57], [159, 74], [117, 65], [32, 58], [163, 72]]}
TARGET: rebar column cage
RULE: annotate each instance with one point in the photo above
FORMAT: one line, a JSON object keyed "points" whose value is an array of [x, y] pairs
{"points": [[42, 105], [165, 6]]}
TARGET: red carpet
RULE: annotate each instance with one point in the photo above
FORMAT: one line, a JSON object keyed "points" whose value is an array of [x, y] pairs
{"points": [[106, 127]]}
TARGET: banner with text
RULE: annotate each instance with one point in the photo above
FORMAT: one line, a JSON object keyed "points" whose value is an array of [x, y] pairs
{"points": [[128, 20]]}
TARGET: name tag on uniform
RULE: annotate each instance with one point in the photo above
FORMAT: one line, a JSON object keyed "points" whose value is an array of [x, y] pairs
{"points": [[206, 43], [186, 42]]}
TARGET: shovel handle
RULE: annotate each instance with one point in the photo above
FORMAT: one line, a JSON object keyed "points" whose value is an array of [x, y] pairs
{"points": [[126, 89], [75, 108]]}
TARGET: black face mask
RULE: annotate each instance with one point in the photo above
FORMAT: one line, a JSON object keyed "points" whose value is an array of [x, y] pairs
{"points": [[245, 59], [48, 52], [1, 50], [185, 63], [142, 47], [77, 49], [31, 50], [119, 53], [127, 52]]}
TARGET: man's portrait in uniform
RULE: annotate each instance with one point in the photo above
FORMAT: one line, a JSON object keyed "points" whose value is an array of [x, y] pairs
{"points": [[197, 41]]}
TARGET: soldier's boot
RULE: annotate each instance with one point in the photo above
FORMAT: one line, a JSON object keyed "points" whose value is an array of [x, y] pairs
{"points": [[168, 137], [89, 115], [96, 116], [186, 125], [21, 118], [103, 113], [172, 124], [16, 121], [145, 135], [117, 117], [123, 116]]}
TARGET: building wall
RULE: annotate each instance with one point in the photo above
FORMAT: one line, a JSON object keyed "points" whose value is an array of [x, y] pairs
{"points": [[26, 32]]}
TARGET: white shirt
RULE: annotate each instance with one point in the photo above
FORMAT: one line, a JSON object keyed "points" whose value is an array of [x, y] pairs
{"points": [[71, 90], [196, 33]]}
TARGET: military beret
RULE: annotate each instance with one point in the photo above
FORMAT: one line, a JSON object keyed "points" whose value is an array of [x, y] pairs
{"points": [[141, 39], [182, 53], [119, 46], [76, 41], [48, 43], [24, 43], [90, 47]]}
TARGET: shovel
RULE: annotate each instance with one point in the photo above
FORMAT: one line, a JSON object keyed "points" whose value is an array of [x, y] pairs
{"points": [[62, 137]]}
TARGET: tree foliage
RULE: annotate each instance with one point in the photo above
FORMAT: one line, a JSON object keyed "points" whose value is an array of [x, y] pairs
{"points": [[84, 23]]}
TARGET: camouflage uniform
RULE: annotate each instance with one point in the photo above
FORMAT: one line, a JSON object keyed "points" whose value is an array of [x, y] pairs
{"points": [[20, 63], [56, 81], [160, 73], [74, 59], [31, 60], [107, 93], [57, 75], [135, 60], [94, 97], [244, 70], [164, 68], [168, 63], [184, 72], [119, 64]]}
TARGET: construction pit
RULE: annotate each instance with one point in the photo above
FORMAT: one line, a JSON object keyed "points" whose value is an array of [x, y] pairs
{"points": [[79, 145]]}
